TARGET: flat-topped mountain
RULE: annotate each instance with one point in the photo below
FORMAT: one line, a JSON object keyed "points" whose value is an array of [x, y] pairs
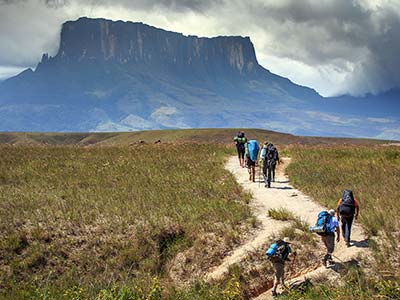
{"points": [[140, 45], [122, 76]]}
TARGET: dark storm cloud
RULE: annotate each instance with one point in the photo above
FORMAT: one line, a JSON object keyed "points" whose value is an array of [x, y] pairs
{"points": [[332, 45]]}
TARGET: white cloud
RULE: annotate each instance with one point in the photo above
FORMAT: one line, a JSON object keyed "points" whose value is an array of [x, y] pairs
{"points": [[390, 134], [334, 119], [381, 120], [7, 72]]}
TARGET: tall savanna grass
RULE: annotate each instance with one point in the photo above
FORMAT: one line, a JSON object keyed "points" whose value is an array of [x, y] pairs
{"points": [[96, 216], [373, 173]]}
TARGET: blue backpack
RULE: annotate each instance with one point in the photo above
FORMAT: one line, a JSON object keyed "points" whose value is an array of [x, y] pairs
{"points": [[322, 226], [278, 251], [253, 149]]}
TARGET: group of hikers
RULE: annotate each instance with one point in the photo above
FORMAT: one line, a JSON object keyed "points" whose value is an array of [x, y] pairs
{"points": [[248, 151], [327, 223]]}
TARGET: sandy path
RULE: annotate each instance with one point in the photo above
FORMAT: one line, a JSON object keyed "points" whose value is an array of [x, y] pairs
{"points": [[280, 195]]}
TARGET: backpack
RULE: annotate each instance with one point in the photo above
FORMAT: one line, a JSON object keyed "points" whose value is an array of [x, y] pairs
{"points": [[278, 251], [272, 153], [322, 225], [253, 148], [240, 139], [347, 206]]}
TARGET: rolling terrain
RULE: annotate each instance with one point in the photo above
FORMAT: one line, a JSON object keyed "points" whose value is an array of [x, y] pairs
{"points": [[115, 216]]}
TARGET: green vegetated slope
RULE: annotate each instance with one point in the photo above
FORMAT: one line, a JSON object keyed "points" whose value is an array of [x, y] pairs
{"points": [[373, 173], [129, 219], [90, 217], [219, 136]]}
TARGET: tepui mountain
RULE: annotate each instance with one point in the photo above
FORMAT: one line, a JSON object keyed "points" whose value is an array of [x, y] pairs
{"points": [[121, 76]]}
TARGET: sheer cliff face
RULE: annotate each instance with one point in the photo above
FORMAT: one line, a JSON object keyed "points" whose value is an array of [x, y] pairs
{"points": [[137, 44]]}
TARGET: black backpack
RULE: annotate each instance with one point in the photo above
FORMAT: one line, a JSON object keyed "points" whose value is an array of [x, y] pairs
{"points": [[272, 153], [278, 252], [347, 206]]}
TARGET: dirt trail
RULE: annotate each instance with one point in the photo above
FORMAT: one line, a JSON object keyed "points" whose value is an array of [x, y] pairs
{"points": [[281, 195]]}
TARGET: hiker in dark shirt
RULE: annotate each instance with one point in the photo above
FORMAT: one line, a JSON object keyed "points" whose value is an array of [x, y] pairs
{"points": [[240, 140], [278, 261], [269, 158], [347, 209]]}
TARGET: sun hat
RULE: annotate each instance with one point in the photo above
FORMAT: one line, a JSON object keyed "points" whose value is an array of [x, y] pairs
{"points": [[331, 212], [286, 239]]}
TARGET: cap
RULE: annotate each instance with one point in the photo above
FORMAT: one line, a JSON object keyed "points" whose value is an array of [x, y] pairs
{"points": [[286, 239], [331, 212]]}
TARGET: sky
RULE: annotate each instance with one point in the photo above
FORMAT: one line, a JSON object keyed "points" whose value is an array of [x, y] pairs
{"points": [[334, 46]]}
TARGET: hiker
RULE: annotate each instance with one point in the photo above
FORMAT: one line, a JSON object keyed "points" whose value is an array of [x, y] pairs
{"points": [[279, 253], [328, 238], [240, 141], [251, 150], [347, 209], [269, 158]]}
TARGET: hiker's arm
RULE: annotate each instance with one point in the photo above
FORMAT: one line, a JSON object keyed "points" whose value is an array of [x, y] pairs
{"points": [[337, 209], [338, 234], [357, 209], [294, 255]]}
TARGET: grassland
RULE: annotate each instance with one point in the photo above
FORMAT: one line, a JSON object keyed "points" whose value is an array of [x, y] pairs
{"points": [[373, 173], [213, 136], [94, 217], [119, 217]]}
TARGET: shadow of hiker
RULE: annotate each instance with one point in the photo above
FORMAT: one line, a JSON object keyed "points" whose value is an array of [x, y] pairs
{"points": [[343, 266], [359, 244], [283, 188], [282, 181]]}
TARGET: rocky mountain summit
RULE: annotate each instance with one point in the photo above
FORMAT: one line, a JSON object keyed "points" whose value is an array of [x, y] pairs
{"points": [[138, 45], [121, 76]]}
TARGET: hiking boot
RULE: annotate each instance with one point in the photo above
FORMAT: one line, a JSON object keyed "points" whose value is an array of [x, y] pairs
{"points": [[348, 243]]}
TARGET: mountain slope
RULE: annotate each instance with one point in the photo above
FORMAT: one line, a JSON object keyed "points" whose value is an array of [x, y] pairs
{"points": [[123, 76]]}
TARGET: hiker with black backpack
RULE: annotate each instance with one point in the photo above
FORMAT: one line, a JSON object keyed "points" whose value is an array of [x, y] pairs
{"points": [[327, 225], [269, 157], [279, 253], [240, 140], [347, 209], [251, 150]]}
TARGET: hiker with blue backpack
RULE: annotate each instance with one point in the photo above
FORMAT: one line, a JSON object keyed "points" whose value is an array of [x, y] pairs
{"points": [[279, 253], [240, 140], [347, 209], [251, 150], [327, 225], [269, 157]]}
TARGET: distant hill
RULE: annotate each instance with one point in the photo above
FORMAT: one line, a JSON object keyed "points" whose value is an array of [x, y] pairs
{"points": [[214, 136], [124, 76]]}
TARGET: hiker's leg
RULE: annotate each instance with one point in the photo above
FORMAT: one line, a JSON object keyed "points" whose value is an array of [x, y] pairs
{"points": [[331, 245], [253, 170], [343, 226], [326, 256], [279, 270], [329, 242], [269, 176], [273, 172], [348, 222], [264, 171], [239, 152]]}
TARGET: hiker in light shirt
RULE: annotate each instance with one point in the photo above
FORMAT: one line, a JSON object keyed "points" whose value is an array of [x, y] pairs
{"points": [[328, 239]]}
